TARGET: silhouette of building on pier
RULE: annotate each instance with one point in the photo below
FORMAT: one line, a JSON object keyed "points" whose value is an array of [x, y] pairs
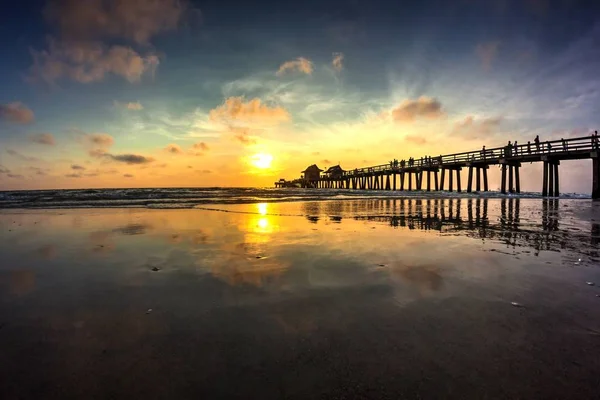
{"points": [[443, 172]]}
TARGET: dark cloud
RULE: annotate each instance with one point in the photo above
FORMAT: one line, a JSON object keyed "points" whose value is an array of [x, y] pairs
{"points": [[77, 167], [127, 176], [43, 138], [204, 171], [15, 176], [73, 176], [325, 161], [38, 171], [130, 158], [201, 146], [4, 170], [173, 149]]}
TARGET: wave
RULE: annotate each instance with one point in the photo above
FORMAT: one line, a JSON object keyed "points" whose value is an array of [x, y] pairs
{"points": [[192, 197]]}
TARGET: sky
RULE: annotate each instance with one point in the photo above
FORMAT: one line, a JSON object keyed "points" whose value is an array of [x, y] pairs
{"points": [[166, 93]]}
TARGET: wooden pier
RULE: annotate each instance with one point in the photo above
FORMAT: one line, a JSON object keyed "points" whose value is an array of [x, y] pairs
{"points": [[443, 172]]}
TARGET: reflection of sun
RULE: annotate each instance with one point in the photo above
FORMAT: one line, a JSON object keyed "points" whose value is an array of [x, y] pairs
{"points": [[262, 160], [262, 208], [263, 224]]}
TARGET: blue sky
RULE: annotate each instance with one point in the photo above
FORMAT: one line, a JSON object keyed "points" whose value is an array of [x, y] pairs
{"points": [[198, 89]]}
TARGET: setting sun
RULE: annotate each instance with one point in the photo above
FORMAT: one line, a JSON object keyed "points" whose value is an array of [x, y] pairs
{"points": [[262, 160]]}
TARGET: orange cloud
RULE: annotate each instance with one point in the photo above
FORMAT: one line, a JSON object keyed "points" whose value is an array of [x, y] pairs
{"points": [[89, 62], [337, 61], [487, 52], [416, 139], [130, 159], [16, 112], [235, 109], [423, 107], [43, 138], [200, 146], [469, 128], [301, 64], [173, 149], [102, 140]]}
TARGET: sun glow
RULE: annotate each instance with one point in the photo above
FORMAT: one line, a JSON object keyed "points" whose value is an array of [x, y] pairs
{"points": [[262, 160]]}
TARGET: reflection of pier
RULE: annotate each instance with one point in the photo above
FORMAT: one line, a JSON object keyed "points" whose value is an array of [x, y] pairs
{"points": [[465, 217]]}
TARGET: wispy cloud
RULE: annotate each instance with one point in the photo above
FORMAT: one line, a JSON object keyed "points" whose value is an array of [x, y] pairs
{"points": [[487, 53], [173, 149], [16, 112], [300, 64], [134, 106], [337, 62], [235, 110], [43, 138], [20, 156], [77, 167]]}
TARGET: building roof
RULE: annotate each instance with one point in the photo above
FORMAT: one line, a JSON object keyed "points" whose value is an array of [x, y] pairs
{"points": [[335, 168], [312, 168]]}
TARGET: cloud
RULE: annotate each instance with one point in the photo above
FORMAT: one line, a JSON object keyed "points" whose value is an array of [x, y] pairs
{"points": [[244, 139], [79, 52], [416, 139], [73, 175], [134, 20], [423, 107], [20, 156], [235, 110], [205, 171], [15, 176], [137, 106], [470, 128], [4, 170], [301, 64], [487, 52], [173, 149], [325, 161], [101, 140], [130, 158], [77, 167], [43, 138], [89, 62], [16, 112], [201, 146], [127, 176], [38, 170], [337, 61]]}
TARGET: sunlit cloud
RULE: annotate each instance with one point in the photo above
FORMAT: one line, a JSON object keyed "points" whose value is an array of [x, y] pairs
{"points": [[300, 64], [101, 140], [237, 111], [337, 62], [423, 107], [43, 138], [201, 146], [471, 128], [173, 149], [134, 106], [16, 112]]}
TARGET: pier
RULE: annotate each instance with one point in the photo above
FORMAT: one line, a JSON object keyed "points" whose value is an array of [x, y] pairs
{"points": [[443, 172]]}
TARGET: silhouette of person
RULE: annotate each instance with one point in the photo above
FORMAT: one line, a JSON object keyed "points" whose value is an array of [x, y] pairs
{"points": [[564, 144], [529, 147], [483, 152], [516, 148], [549, 146], [537, 142]]}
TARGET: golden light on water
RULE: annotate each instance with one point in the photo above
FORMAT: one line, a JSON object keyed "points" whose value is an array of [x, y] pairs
{"points": [[262, 208]]}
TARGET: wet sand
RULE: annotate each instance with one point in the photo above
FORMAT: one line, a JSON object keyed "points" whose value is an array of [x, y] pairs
{"points": [[380, 299]]}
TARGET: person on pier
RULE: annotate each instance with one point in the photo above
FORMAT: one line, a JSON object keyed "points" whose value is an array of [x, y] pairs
{"points": [[508, 149], [595, 140], [564, 144], [516, 148], [529, 147], [537, 142], [483, 152]]}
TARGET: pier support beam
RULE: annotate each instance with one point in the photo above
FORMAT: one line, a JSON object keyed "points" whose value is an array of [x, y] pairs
{"points": [[402, 180], [545, 180], [387, 183], [442, 178], [503, 182], [394, 180], [450, 181], [428, 180], [550, 184], [470, 180], [435, 176], [478, 187], [596, 177], [485, 179], [419, 180], [410, 181]]}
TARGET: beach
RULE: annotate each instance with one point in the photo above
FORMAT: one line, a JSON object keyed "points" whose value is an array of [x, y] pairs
{"points": [[335, 298]]}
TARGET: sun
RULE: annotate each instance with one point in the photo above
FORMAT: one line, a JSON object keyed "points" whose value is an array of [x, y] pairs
{"points": [[262, 160]]}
